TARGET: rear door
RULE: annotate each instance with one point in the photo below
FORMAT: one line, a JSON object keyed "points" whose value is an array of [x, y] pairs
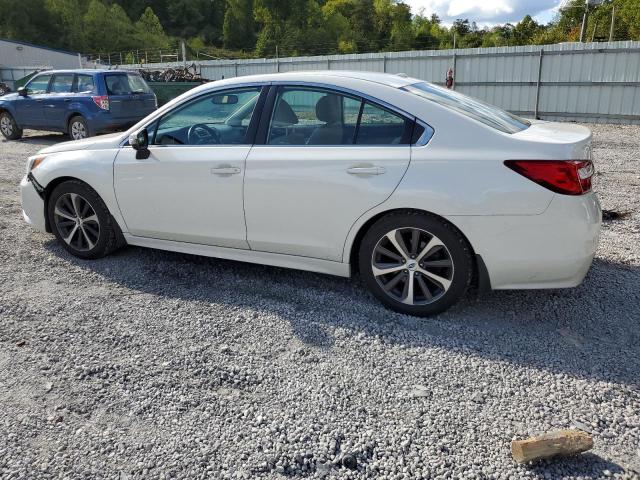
{"points": [[326, 158], [30, 108], [58, 99], [129, 96]]}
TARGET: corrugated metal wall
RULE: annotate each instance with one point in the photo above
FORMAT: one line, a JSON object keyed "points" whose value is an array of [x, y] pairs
{"points": [[592, 82]]}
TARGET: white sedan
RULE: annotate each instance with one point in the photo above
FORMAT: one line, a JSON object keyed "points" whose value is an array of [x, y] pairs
{"points": [[420, 190]]}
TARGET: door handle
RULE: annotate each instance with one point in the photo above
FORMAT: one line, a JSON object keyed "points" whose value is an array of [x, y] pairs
{"points": [[225, 170], [366, 170], [67, 99]]}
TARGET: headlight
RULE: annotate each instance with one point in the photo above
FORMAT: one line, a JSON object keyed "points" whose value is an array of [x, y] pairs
{"points": [[34, 162]]}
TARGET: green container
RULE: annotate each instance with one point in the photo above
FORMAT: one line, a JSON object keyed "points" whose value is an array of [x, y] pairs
{"points": [[166, 91]]}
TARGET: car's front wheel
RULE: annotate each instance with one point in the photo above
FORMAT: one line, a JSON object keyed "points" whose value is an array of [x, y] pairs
{"points": [[415, 263], [9, 127], [78, 128], [81, 221]]}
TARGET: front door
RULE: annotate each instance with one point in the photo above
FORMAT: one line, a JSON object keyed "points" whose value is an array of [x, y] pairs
{"points": [[327, 158], [190, 187], [29, 109]]}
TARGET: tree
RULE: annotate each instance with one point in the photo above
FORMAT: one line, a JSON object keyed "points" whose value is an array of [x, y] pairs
{"points": [[149, 31], [239, 25]]}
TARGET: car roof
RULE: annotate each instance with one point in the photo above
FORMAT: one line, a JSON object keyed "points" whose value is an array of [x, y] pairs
{"points": [[389, 79], [88, 71]]}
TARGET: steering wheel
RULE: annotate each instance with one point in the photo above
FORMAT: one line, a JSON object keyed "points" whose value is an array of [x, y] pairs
{"points": [[202, 134]]}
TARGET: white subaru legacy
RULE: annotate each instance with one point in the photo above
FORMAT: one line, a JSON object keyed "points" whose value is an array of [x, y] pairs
{"points": [[420, 190]]}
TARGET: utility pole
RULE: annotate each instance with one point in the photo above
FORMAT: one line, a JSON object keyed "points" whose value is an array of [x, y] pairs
{"points": [[613, 19], [184, 53], [585, 18]]}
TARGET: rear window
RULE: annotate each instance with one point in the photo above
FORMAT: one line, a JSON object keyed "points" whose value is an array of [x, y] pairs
{"points": [[125, 84], [471, 107]]}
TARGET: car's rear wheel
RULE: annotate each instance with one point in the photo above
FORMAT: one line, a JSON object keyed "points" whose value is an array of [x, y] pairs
{"points": [[9, 127], [415, 263], [81, 221], [78, 128]]}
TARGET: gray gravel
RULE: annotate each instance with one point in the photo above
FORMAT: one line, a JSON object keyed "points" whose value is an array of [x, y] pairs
{"points": [[151, 364]]}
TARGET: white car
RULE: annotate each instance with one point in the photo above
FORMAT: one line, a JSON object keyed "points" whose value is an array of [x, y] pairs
{"points": [[421, 190]]}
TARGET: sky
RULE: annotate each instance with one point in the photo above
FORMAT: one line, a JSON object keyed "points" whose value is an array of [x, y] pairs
{"points": [[487, 12]]}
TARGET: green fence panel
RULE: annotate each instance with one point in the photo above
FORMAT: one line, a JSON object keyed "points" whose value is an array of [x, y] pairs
{"points": [[166, 91]]}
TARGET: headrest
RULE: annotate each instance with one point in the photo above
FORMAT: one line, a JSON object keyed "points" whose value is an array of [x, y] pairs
{"points": [[284, 114], [328, 109]]}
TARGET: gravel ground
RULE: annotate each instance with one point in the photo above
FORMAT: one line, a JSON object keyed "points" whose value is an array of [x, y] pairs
{"points": [[151, 364]]}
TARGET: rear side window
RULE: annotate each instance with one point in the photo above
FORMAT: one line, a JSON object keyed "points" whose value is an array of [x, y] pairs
{"points": [[382, 127], [85, 84], [125, 84], [62, 83], [38, 85], [471, 107]]}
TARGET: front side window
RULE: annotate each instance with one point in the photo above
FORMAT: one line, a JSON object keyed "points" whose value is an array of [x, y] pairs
{"points": [[125, 84], [471, 107], [220, 118], [306, 116], [62, 83], [85, 84], [38, 85]]}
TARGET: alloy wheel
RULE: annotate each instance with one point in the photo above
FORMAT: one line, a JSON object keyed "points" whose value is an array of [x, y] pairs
{"points": [[78, 130], [77, 221], [412, 266], [6, 126]]}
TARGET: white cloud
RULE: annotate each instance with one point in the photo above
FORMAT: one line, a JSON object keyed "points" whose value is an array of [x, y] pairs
{"points": [[485, 12]]}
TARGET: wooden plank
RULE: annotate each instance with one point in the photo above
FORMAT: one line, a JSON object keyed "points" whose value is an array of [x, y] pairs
{"points": [[562, 442]]}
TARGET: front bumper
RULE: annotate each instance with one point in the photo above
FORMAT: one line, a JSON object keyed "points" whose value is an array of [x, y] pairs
{"points": [[32, 205], [552, 250]]}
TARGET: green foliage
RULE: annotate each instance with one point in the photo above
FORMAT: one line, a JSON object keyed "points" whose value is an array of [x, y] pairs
{"points": [[239, 25], [241, 28], [149, 31]]}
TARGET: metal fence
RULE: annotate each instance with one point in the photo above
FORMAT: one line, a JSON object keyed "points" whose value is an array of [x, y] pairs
{"points": [[590, 82]]}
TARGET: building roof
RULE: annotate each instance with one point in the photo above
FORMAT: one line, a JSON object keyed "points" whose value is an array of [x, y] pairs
{"points": [[28, 44]]}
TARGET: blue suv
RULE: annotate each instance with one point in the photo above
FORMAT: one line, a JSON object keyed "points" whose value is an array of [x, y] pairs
{"points": [[78, 102]]}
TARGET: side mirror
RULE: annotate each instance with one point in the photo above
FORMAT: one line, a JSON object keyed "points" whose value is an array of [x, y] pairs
{"points": [[139, 141], [23, 91]]}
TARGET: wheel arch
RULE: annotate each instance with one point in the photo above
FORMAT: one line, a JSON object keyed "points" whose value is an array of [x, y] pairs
{"points": [[59, 180], [480, 275], [74, 113]]}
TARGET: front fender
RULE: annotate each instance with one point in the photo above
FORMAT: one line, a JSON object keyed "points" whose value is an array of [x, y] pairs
{"points": [[8, 106], [94, 167]]}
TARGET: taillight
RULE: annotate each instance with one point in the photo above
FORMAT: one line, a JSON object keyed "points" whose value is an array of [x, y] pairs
{"points": [[569, 177], [102, 101]]}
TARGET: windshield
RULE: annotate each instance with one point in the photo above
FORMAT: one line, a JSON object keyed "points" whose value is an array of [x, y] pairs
{"points": [[471, 107], [125, 84]]}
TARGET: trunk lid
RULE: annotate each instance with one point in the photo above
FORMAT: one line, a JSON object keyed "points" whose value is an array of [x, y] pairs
{"points": [[561, 140]]}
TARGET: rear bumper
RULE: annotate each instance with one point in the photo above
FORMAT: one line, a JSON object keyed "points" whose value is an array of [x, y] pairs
{"points": [[32, 205], [552, 250]]}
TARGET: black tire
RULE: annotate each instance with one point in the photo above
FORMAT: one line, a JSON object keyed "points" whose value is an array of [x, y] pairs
{"points": [[78, 124], [9, 127], [457, 254], [104, 241]]}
